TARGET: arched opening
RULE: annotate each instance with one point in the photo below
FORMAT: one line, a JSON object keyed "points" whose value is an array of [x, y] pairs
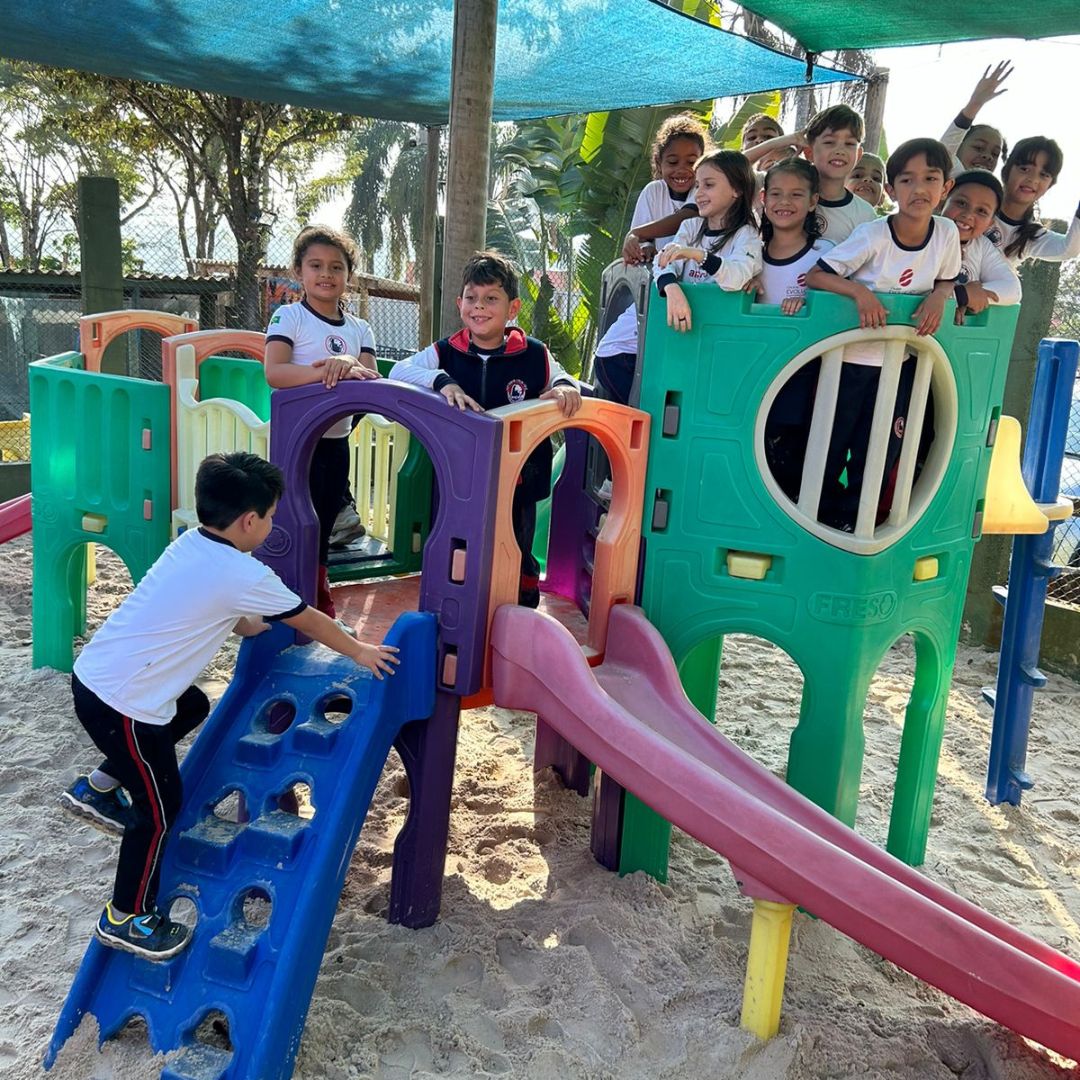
{"points": [[854, 435], [758, 694], [108, 584]]}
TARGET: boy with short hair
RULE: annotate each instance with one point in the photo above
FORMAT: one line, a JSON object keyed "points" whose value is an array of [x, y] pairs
{"points": [[487, 364], [132, 683], [911, 251], [832, 141]]}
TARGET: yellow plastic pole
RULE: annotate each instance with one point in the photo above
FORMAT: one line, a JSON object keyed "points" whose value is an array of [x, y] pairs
{"points": [[766, 966]]}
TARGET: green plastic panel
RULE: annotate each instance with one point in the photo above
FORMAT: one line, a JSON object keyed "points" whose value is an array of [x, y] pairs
{"points": [[99, 447], [834, 612], [235, 379]]}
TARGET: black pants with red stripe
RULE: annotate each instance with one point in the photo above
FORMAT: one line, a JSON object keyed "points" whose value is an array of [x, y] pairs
{"points": [[143, 758]]}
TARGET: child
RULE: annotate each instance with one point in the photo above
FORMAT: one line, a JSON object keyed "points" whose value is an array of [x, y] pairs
{"points": [[488, 364], [913, 252], [724, 245], [318, 341], [867, 179], [833, 142], [760, 128], [985, 274], [977, 146], [1029, 172], [791, 232], [661, 207], [132, 682]]}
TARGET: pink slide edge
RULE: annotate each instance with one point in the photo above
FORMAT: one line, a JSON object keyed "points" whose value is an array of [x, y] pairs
{"points": [[886, 905], [14, 518]]}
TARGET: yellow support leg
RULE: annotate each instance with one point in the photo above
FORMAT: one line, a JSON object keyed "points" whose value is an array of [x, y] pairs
{"points": [[763, 990], [91, 564]]}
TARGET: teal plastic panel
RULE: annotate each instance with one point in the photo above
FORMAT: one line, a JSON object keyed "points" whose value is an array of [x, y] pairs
{"points": [[834, 612], [102, 446]]}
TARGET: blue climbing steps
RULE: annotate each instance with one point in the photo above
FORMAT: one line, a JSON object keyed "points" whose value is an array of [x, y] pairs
{"points": [[264, 880]]}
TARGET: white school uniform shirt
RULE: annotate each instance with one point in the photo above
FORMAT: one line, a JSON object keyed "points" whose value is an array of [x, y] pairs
{"points": [[315, 337], [731, 266], [873, 256], [785, 279], [843, 216], [1048, 246], [655, 201], [951, 140], [982, 263], [155, 644]]}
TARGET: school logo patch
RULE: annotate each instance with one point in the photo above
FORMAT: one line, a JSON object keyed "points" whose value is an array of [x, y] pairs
{"points": [[964, 276], [516, 390], [906, 277], [801, 281], [994, 235], [275, 319], [898, 427], [335, 345]]}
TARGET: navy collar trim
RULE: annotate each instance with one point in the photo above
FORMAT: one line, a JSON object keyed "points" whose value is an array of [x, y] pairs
{"points": [[790, 259], [910, 247], [834, 203], [217, 539], [323, 318]]}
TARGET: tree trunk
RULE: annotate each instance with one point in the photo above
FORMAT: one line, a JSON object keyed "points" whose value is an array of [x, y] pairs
{"points": [[428, 330], [250, 254], [874, 114], [471, 88]]}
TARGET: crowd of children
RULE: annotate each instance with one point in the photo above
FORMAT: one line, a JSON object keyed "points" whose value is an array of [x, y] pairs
{"points": [[785, 213]]}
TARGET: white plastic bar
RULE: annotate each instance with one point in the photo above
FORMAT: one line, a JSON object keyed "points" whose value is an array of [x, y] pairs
{"points": [[821, 425], [905, 471], [216, 425], [880, 433]]}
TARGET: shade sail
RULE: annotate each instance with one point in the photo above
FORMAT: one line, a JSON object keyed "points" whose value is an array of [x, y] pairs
{"points": [[391, 58], [821, 25]]}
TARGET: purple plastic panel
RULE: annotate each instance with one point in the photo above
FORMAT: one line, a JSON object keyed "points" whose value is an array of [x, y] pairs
{"points": [[427, 750], [464, 448], [572, 511], [572, 767], [607, 820]]}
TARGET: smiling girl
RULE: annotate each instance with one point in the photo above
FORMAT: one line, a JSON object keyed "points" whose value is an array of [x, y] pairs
{"points": [[723, 244], [1029, 172]]}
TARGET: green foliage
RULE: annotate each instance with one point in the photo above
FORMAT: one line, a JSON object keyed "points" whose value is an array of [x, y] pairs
{"points": [[729, 134]]}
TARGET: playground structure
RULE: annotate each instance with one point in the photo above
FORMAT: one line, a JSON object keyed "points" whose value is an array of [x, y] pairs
{"points": [[738, 556]]}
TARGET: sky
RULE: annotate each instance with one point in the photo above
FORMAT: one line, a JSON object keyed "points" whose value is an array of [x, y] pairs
{"points": [[930, 84]]}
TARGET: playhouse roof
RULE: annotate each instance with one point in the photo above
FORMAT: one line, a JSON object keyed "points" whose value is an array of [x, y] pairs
{"points": [[392, 59]]}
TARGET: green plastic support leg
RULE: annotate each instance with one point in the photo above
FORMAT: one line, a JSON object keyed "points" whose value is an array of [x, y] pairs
{"points": [[920, 747], [826, 752], [646, 835]]}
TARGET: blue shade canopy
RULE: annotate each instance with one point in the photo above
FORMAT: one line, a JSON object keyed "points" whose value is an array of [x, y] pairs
{"points": [[391, 58]]}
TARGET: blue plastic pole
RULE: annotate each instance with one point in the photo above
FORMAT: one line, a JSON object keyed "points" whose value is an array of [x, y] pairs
{"points": [[1029, 572]]}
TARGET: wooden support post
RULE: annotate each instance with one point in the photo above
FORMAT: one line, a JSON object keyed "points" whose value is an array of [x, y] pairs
{"points": [[428, 330], [99, 253], [472, 83], [874, 113]]}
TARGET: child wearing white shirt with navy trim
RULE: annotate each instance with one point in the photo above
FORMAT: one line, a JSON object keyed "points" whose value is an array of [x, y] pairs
{"points": [[910, 252]]}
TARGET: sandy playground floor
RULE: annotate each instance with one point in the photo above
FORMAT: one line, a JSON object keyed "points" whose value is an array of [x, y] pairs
{"points": [[543, 965]]}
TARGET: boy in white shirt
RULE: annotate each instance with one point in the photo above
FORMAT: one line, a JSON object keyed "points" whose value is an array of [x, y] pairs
{"points": [[132, 682], [911, 251]]}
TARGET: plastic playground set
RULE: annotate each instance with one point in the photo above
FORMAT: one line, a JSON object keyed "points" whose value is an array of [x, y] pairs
{"points": [[698, 542]]}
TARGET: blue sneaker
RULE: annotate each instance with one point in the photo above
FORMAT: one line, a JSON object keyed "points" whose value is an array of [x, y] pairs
{"points": [[153, 936], [108, 811]]}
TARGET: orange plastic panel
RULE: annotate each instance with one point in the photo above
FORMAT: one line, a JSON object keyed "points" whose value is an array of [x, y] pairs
{"points": [[624, 434], [206, 343], [97, 332]]}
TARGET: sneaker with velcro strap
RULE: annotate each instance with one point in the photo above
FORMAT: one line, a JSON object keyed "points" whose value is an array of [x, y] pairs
{"points": [[153, 936], [108, 811]]}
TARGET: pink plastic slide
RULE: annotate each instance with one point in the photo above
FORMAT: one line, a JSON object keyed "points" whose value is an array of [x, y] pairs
{"points": [[631, 718], [14, 518]]}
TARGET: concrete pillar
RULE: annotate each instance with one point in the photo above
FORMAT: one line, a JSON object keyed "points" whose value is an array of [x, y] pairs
{"points": [[428, 330]]}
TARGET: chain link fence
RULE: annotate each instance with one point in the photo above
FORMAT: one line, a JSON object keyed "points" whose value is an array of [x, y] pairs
{"points": [[1065, 589], [41, 302]]}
